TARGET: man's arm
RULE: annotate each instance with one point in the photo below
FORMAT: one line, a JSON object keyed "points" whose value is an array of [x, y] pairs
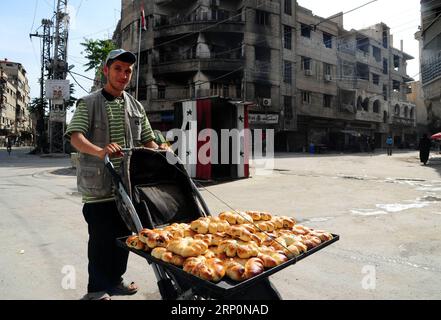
{"points": [[79, 141]]}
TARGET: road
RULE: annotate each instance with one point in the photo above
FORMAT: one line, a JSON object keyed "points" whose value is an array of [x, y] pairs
{"points": [[387, 211]]}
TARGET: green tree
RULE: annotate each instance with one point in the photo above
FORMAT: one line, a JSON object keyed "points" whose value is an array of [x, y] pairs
{"points": [[96, 52]]}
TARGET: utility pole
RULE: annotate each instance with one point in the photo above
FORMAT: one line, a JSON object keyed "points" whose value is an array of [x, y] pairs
{"points": [[57, 109], [45, 66]]}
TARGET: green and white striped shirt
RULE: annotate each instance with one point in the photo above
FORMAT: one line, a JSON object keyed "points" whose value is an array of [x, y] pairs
{"points": [[115, 113]]}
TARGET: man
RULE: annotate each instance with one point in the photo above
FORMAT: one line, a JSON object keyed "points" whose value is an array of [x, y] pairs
{"points": [[105, 122], [389, 144]]}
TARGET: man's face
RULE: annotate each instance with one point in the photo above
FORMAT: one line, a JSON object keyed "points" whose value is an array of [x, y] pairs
{"points": [[118, 75]]}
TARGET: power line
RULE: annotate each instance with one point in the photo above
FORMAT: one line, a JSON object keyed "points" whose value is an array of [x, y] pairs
{"points": [[78, 82]]}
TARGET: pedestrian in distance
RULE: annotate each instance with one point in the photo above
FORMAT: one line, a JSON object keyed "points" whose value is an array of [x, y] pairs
{"points": [[9, 147], [389, 145], [105, 122], [424, 146]]}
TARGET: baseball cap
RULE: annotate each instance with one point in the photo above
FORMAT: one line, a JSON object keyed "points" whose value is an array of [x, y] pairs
{"points": [[122, 55]]}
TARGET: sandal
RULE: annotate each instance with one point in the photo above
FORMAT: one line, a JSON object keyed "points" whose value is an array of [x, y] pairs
{"points": [[100, 295], [124, 288]]}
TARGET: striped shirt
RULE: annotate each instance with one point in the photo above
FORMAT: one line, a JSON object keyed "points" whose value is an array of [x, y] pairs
{"points": [[115, 113]]}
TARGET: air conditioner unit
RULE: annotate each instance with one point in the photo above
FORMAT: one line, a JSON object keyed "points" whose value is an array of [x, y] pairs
{"points": [[266, 102], [328, 77], [308, 72]]}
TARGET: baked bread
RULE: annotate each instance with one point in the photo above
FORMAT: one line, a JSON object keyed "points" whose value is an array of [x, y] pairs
{"points": [[271, 258], [259, 216], [209, 225], [180, 230], [243, 269], [241, 249], [242, 232], [187, 247], [236, 217], [310, 241], [322, 235], [135, 243], [155, 238], [208, 269], [290, 245], [168, 256]]}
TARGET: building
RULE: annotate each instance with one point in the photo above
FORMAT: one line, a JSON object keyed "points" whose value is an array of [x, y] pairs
{"points": [[416, 97], [302, 75], [15, 121], [430, 50]]}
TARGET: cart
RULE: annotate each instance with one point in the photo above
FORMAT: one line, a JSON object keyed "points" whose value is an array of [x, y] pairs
{"points": [[153, 190]]}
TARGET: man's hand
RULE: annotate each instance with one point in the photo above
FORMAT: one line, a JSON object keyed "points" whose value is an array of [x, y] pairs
{"points": [[112, 149]]}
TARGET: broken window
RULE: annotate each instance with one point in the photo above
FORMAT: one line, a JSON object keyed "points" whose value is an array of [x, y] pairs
{"points": [[327, 101], [365, 104], [288, 7], [396, 62], [376, 52], [363, 44], [306, 97], [327, 40], [287, 107], [375, 79], [359, 103], [263, 53], [287, 71], [287, 37], [362, 71], [385, 66], [305, 30], [396, 86], [262, 18], [262, 90]]}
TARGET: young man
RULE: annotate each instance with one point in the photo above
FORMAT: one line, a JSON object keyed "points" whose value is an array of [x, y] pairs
{"points": [[105, 122]]}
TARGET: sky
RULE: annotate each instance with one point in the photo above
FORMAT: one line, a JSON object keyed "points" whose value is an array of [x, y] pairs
{"points": [[93, 20]]}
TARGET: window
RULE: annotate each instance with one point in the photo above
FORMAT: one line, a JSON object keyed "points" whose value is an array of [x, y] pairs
{"points": [[262, 18], [375, 79], [385, 92], [365, 104], [306, 63], [262, 53], [406, 111], [327, 69], [385, 66], [306, 97], [287, 72], [288, 7], [262, 91], [161, 92], [287, 107], [385, 39], [305, 30], [396, 62], [287, 37], [327, 101], [397, 110], [376, 52], [377, 106], [396, 86], [327, 40]]}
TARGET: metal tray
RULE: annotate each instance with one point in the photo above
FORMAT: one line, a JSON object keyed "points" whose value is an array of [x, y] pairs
{"points": [[226, 286]]}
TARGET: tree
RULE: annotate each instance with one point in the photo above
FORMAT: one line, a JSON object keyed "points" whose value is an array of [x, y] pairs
{"points": [[96, 52], [39, 107]]}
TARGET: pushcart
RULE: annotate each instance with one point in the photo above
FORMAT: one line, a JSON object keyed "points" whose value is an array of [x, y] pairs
{"points": [[153, 190]]}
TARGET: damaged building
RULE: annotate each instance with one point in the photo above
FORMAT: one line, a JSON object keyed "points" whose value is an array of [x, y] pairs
{"points": [[304, 76]]}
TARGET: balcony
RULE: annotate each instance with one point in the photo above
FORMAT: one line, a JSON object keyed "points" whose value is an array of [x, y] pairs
{"points": [[174, 63], [176, 94], [405, 122], [170, 26]]}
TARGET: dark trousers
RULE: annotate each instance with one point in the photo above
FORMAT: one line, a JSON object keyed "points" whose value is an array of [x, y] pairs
{"points": [[107, 261], [389, 151]]}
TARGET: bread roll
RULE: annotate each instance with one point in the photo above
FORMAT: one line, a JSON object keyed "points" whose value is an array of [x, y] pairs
{"points": [[236, 217], [243, 269], [241, 232], [241, 249], [155, 238], [259, 216], [135, 243], [167, 256], [208, 269], [209, 225], [187, 247]]}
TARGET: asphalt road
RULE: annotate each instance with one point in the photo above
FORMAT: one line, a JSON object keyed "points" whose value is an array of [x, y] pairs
{"points": [[387, 211]]}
